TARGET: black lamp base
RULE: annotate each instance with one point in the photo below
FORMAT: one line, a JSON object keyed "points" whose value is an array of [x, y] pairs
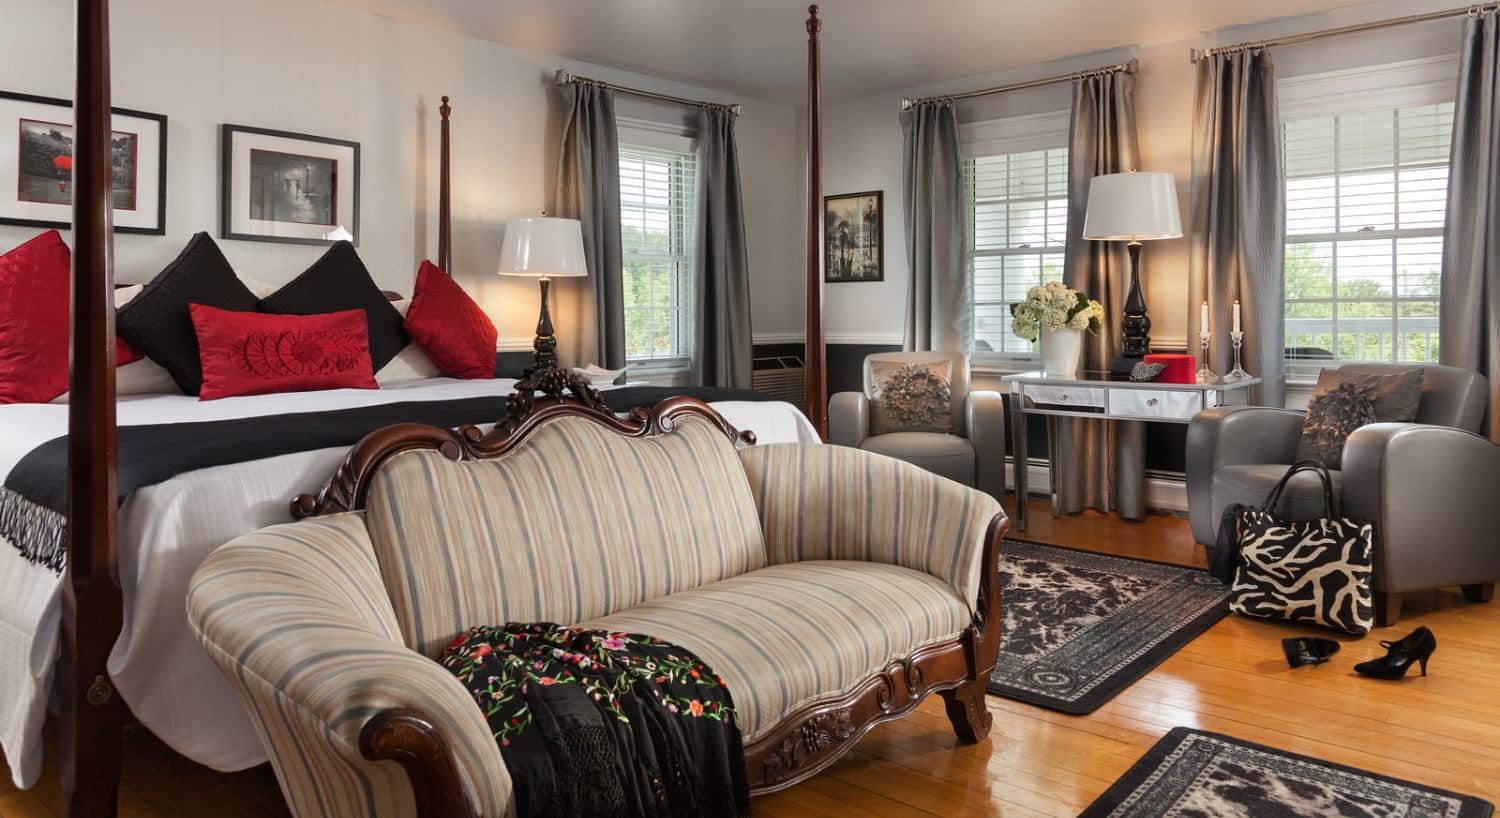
{"points": [[1135, 329], [545, 343]]}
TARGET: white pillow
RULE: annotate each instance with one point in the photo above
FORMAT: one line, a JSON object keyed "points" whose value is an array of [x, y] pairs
{"points": [[143, 377], [258, 288], [411, 363]]}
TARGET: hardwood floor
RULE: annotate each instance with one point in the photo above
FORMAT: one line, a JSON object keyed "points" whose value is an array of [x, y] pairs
{"points": [[1439, 731]]}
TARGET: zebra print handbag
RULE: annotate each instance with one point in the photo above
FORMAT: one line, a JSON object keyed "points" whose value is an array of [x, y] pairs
{"points": [[1316, 571]]}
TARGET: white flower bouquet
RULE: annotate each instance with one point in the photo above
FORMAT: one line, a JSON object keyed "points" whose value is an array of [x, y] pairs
{"points": [[1054, 306]]}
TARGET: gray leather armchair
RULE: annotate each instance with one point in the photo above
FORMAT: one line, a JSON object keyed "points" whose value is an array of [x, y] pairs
{"points": [[973, 455], [1431, 487]]}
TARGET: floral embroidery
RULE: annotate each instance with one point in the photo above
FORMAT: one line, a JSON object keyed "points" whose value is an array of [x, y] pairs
{"points": [[498, 664], [911, 397], [296, 352]]}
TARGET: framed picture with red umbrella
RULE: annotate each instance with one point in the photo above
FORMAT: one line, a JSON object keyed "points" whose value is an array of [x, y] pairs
{"points": [[36, 165]]}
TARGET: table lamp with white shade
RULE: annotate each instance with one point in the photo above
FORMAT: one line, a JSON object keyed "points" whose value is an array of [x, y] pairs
{"points": [[543, 248], [1133, 207]]}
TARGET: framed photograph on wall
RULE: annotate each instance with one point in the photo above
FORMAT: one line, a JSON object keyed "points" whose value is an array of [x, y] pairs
{"points": [[287, 187], [853, 237], [36, 165]]}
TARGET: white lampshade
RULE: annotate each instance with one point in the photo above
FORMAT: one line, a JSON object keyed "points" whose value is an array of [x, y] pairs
{"points": [[542, 246], [1132, 207]]}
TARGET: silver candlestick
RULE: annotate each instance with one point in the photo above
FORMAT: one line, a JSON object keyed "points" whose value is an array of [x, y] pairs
{"points": [[1238, 373], [1205, 374]]}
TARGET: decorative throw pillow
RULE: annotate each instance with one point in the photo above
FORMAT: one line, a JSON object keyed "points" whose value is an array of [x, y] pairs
{"points": [[910, 397], [1331, 417], [35, 291], [158, 323], [339, 281], [452, 329], [249, 353], [1344, 401]]}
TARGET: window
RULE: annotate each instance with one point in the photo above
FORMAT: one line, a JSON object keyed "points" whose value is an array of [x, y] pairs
{"points": [[657, 189], [1016, 221], [1366, 190]]}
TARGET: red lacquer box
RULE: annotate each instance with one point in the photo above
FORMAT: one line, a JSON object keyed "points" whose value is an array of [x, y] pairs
{"points": [[1180, 368]]}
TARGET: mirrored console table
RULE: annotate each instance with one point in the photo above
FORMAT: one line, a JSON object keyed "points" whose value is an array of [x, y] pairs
{"points": [[1108, 397]]}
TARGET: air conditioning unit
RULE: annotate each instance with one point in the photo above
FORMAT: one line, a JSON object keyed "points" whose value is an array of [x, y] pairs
{"points": [[781, 376]]}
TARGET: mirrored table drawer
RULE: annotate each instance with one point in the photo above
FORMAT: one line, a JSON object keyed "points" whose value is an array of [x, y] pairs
{"points": [[1081, 398], [1155, 403]]}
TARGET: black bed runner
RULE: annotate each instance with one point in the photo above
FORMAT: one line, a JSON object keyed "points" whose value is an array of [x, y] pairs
{"points": [[152, 454]]}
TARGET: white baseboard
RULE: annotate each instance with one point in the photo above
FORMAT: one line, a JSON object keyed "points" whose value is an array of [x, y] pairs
{"points": [[1162, 493]]}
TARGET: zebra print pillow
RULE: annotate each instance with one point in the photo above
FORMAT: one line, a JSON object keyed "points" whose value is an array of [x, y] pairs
{"points": [[1316, 572]]}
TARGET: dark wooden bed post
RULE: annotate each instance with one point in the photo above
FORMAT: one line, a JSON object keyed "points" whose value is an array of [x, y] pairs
{"points": [[445, 194], [816, 366], [92, 604]]}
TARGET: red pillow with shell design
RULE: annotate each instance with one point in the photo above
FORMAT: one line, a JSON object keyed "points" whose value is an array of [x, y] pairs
{"points": [[256, 353]]}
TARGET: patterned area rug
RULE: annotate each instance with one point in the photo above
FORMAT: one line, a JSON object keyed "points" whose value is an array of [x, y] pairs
{"points": [[1079, 627], [1206, 775]]}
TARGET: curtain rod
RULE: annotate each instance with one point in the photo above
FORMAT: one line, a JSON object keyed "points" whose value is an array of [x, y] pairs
{"points": [[1194, 55], [566, 78], [1130, 66]]}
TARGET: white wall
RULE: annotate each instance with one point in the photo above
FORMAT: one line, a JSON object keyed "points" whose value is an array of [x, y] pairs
{"points": [[862, 143], [306, 67]]}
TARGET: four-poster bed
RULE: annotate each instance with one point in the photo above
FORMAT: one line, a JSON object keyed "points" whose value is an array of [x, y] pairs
{"points": [[92, 610]]}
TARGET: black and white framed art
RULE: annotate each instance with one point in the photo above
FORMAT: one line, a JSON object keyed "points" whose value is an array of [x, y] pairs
{"points": [[854, 237], [36, 165], [287, 187]]}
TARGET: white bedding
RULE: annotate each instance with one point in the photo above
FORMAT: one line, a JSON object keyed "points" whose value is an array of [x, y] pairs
{"points": [[166, 530]]}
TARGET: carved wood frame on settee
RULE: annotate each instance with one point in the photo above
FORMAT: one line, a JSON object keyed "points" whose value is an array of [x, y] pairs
{"points": [[802, 743]]}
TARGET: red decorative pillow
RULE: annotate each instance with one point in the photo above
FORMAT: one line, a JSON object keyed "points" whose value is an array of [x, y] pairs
{"points": [[35, 286], [446, 323], [255, 353]]}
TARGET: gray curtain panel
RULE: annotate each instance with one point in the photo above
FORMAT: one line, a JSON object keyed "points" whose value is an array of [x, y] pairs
{"points": [[1238, 232], [1102, 139], [722, 353], [588, 189], [939, 289], [1469, 323]]}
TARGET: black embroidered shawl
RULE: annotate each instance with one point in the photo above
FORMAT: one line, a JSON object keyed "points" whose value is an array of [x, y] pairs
{"points": [[592, 723]]}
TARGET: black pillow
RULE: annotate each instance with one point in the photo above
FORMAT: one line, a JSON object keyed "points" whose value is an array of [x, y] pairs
{"points": [[339, 281], [157, 321]]}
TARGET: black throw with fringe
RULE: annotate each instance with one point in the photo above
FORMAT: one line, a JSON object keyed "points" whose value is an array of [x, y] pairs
{"points": [[596, 724], [34, 499]]}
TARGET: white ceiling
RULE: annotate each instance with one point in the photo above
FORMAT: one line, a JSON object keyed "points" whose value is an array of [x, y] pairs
{"points": [[758, 47]]}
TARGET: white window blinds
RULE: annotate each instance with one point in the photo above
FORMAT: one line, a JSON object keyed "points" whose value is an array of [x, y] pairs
{"points": [[1017, 224], [1365, 199], [657, 191]]}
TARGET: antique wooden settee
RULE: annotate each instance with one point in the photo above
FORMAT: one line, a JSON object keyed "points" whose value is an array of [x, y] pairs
{"points": [[831, 588]]}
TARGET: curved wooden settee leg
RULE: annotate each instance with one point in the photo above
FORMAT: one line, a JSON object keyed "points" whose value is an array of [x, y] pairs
{"points": [[965, 703]]}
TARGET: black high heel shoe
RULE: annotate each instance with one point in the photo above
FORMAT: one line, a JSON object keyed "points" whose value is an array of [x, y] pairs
{"points": [[1414, 649], [1308, 650]]}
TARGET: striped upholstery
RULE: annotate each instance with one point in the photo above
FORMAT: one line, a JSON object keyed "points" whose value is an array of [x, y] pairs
{"points": [[576, 523], [786, 635], [297, 618], [834, 502]]}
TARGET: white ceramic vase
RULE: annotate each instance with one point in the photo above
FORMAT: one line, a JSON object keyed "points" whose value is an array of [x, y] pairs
{"points": [[1061, 351]]}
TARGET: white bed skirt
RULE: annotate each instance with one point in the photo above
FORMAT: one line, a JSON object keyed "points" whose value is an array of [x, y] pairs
{"points": [[166, 530]]}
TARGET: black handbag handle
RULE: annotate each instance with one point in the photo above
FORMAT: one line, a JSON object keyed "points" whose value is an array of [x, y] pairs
{"points": [[1272, 499]]}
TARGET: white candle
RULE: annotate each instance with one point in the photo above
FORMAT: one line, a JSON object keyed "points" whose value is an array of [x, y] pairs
{"points": [[1203, 322], [1236, 316]]}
